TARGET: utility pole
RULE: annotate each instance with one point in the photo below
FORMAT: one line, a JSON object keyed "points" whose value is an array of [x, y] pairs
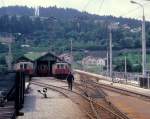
{"points": [[107, 64], [143, 40], [125, 67], [71, 51], [143, 46], [9, 57], [110, 51]]}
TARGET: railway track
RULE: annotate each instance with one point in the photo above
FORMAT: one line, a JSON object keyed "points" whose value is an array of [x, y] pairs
{"points": [[99, 97], [111, 90], [120, 91], [94, 81], [97, 110]]}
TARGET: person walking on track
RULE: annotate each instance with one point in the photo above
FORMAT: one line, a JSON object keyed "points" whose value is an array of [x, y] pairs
{"points": [[70, 79]]}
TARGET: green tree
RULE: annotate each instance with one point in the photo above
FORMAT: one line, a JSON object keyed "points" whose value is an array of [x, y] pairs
{"points": [[120, 66]]}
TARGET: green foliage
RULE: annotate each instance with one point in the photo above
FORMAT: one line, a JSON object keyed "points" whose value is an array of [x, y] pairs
{"points": [[78, 56], [120, 66], [133, 62], [56, 26]]}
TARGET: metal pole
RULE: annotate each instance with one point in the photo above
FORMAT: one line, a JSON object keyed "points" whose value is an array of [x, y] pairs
{"points": [[71, 52], [110, 51], [143, 46], [9, 57], [148, 81], [125, 68], [143, 40], [107, 64]]}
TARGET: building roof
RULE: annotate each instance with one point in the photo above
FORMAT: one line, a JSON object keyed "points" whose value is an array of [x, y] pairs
{"points": [[22, 59], [34, 55]]}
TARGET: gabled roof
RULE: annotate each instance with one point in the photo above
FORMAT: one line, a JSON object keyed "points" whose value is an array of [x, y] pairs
{"points": [[34, 55], [22, 58], [49, 53]]}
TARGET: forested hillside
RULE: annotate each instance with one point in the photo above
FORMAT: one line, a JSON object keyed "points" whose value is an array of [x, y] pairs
{"points": [[56, 26]]}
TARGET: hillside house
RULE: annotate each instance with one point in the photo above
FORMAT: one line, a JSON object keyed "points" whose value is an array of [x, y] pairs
{"points": [[66, 57], [90, 60]]}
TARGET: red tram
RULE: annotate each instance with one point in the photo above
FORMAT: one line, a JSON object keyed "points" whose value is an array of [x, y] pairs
{"points": [[61, 70], [27, 67]]}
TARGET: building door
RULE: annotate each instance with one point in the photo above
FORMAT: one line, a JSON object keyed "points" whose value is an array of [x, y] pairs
{"points": [[50, 68], [42, 68]]}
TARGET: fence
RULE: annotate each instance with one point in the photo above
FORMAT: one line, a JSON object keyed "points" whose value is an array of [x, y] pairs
{"points": [[120, 77], [12, 89]]}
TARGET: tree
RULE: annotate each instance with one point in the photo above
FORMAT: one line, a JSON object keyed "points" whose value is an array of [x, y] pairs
{"points": [[14, 23], [5, 24], [26, 25], [120, 66]]}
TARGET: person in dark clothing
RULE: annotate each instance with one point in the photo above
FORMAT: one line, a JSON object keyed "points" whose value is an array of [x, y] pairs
{"points": [[70, 79]]}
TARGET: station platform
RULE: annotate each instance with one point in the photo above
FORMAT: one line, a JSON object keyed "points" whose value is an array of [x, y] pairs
{"points": [[56, 106]]}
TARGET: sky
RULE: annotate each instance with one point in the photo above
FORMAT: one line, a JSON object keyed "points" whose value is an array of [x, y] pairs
{"points": [[101, 7]]}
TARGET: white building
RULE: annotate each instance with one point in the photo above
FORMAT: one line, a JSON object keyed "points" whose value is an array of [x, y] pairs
{"points": [[66, 57], [90, 60], [125, 26], [136, 30]]}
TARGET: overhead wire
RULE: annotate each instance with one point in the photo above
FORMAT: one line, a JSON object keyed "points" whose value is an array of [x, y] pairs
{"points": [[4, 5], [101, 5], [63, 3], [133, 10], [130, 11], [86, 5]]}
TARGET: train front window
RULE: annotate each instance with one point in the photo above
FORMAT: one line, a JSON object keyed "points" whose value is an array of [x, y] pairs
{"points": [[62, 66], [66, 67], [58, 66], [21, 66], [25, 66]]}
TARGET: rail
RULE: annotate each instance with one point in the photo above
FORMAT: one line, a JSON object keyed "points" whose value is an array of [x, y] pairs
{"points": [[94, 87], [95, 79]]}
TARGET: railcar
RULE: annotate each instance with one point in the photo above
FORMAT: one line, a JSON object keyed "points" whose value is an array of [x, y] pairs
{"points": [[61, 70], [27, 67]]}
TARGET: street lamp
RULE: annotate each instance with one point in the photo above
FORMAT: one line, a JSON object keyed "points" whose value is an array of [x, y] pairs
{"points": [[143, 40]]}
